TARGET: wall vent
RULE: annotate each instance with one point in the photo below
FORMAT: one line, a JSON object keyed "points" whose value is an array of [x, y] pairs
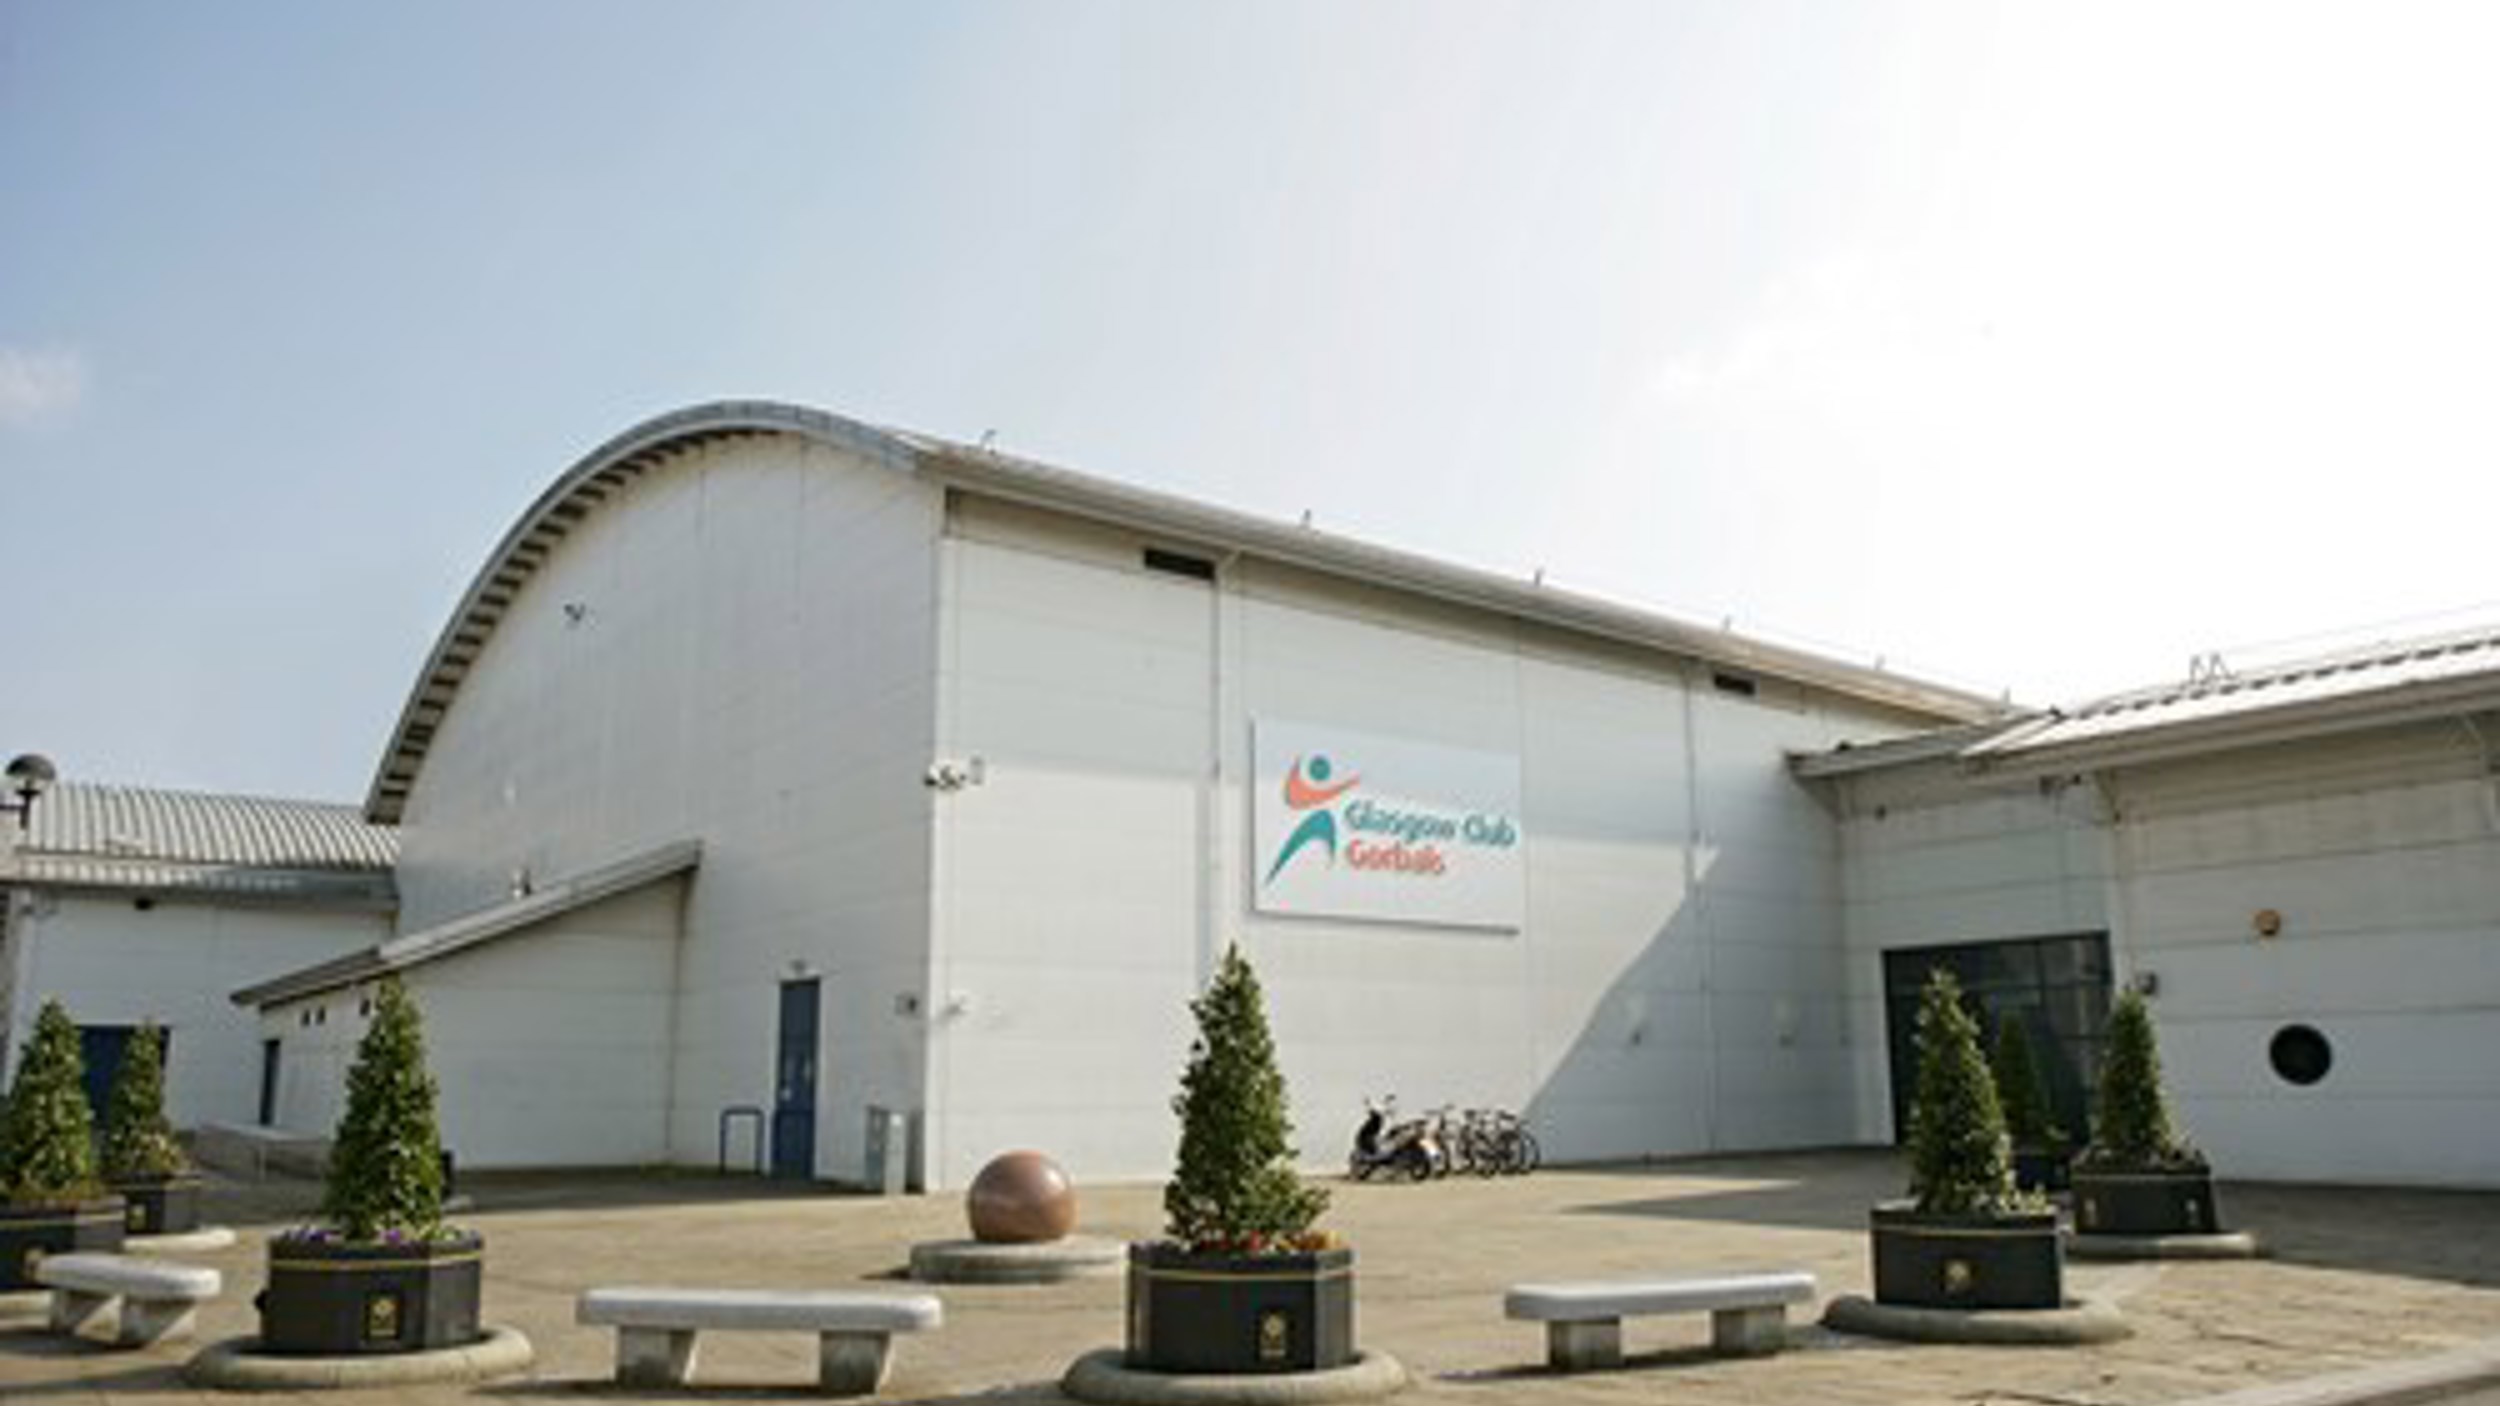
{"points": [[1179, 564]]}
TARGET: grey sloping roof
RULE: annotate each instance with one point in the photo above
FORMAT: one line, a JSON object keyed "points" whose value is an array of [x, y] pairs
{"points": [[2376, 686], [581, 489], [142, 839], [483, 926], [1939, 744], [2382, 685]]}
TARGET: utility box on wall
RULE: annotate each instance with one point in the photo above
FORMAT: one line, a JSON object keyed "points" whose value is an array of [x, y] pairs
{"points": [[889, 1151]]}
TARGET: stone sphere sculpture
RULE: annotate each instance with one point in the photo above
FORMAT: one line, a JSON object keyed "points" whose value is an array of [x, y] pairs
{"points": [[1021, 1198]]}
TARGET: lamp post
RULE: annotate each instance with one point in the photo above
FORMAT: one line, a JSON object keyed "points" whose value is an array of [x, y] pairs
{"points": [[29, 776]]}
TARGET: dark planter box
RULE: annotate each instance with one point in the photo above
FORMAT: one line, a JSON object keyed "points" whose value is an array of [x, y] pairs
{"points": [[29, 1233], [338, 1300], [2040, 1169], [1235, 1314], [168, 1205], [2145, 1203], [1967, 1262]]}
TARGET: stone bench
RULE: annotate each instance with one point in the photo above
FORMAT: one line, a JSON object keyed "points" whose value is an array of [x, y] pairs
{"points": [[655, 1329], [1584, 1322], [159, 1299]]}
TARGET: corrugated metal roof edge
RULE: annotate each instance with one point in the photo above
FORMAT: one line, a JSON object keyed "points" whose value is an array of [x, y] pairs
{"points": [[2008, 749], [483, 926], [2393, 706], [360, 890], [172, 823], [1850, 758], [627, 455]]}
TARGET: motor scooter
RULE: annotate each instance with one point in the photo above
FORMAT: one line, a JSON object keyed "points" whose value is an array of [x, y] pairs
{"points": [[1392, 1149]]}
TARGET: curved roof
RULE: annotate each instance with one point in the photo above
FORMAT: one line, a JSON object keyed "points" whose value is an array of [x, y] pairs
{"points": [[592, 479], [572, 497]]}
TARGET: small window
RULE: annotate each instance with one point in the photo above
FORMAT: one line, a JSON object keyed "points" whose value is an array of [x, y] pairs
{"points": [[1179, 564], [2300, 1054], [1736, 684]]}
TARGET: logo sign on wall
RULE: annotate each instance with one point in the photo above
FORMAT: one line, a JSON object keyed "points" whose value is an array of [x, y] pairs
{"points": [[1355, 825]]}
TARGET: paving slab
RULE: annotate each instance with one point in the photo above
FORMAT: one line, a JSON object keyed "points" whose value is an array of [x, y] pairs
{"points": [[2354, 1279]]}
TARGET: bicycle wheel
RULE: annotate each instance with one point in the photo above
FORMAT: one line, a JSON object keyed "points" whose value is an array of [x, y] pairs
{"points": [[1528, 1156]]}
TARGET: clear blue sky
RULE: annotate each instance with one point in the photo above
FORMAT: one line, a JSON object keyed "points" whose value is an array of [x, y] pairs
{"points": [[2035, 348]]}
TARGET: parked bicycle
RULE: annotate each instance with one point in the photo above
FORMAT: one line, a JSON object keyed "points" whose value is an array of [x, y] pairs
{"points": [[1485, 1141]]}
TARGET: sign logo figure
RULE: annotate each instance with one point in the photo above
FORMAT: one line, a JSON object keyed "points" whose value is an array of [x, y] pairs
{"points": [[1307, 789]]}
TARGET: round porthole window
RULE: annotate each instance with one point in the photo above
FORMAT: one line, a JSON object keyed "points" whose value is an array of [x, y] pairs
{"points": [[2300, 1054]]}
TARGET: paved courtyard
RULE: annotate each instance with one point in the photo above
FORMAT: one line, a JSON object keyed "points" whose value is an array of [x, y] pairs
{"points": [[2356, 1278]]}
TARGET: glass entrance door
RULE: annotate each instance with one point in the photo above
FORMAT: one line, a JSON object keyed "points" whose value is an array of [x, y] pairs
{"points": [[2057, 986]]}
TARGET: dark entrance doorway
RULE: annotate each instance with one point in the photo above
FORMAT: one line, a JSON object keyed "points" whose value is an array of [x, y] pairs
{"points": [[268, 1083], [101, 1047], [2058, 986], [794, 1082]]}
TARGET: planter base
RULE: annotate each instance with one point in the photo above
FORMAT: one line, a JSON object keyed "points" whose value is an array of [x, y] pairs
{"points": [[1104, 1377], [192, 1242], [161, 1205], [2230, 1245], [2145, 1203], [1967, 1264], [28, 1236], [334, 1300], [239, 1364], [2077, 1323], [1042, 1262], [1251, 1314]]}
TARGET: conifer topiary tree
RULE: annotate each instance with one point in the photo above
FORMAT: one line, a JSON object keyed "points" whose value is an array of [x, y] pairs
{"points": [[1235, 1187], [2131, 1116], [47, 1149], [138, 1140], [2020, 1090], [1960, 1159], [386, 1167]]}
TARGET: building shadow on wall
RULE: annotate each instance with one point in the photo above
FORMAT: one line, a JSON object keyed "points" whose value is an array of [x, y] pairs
{"points": [[1720, 1053]]}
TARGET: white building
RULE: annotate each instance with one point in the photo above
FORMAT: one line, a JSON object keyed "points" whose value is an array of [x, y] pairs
{"points": [[776, 761], [2302, 866], [885, 788], [131, 905]]}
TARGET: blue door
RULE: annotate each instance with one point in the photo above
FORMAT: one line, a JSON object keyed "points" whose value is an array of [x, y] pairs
{"points": [[794, 1082], [101, 1048]]}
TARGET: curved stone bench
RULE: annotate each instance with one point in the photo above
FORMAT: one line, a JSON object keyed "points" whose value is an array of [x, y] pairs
{"points": [[159, 1299], [1584, 1321], [655, 1329]]}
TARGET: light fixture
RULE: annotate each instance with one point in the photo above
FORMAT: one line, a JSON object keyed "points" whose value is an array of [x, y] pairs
{"points": [[29, 777]]}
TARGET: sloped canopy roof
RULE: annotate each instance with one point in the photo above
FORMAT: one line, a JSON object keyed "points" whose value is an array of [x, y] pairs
{"points": [[504, 919]]}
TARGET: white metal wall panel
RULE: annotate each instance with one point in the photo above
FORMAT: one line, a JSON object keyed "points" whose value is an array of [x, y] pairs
{"points": [[548, 1045], [1088, 879], [751, 663], [2389, 900], [1928, 860], [1074, 872], [113, 963]]}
